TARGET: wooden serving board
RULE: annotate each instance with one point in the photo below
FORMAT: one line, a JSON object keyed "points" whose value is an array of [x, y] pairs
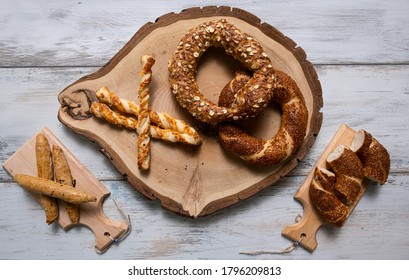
{"points": [[194, 181], [307, 227], [23, 161]]}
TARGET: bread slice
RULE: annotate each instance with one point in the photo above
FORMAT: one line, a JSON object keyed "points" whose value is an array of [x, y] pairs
{"points": [[344, 161], [325, 179], [347, 189], [374, 157], [349, 173], [327, 204]]}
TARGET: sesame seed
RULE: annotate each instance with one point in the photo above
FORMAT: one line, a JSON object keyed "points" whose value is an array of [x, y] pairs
{"points": [[210, 29]]}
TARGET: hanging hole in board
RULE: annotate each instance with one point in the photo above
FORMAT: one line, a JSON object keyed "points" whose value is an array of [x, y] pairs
{"points": [[302, 236], [107, 234]]}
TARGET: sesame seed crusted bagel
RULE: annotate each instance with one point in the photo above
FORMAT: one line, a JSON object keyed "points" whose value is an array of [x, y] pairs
{"points": [[292, 129], [249, 101]]}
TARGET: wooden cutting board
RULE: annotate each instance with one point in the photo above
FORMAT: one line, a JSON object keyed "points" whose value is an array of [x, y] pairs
{"points": [[306, 228], [23, 161], [193, 181]]}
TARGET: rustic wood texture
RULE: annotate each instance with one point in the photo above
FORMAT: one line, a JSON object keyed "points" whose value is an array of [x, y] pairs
{"points": [[91, 214], [360, 51], [203, 179]]}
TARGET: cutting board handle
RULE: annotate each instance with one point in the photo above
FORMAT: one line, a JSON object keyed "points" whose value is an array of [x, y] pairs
{"points": [[305, 230], [106, 231]]}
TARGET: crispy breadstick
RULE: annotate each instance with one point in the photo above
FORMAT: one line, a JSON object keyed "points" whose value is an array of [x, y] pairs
{"points": [[172, 136], [102, 111], [63, 176], [144, 121], [45, 170], [124, 106], [163, 120], [54, 189], [43, 157]]}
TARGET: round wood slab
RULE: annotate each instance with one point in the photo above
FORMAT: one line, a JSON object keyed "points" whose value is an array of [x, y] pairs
{"points": [[193, 181]]}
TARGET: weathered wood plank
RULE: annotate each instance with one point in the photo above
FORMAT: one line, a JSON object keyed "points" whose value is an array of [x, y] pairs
{"points": [[374, 98], [371, 97], [84, 33], [375, 230]]}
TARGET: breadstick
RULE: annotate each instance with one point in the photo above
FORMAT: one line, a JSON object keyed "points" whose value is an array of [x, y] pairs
{"points": [[43, 157], [172, 136], [102, 111], [168, 122], [45, 170], [63, 176], [124, 106], [143, 126], [54, 189], [163, 120]]}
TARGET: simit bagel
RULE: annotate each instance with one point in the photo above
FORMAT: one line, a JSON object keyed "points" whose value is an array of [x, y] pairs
{"points": [[251, 99], [290, 134]]}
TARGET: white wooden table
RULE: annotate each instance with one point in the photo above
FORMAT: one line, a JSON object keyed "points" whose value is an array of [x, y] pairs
{"points": [[361, 53]]}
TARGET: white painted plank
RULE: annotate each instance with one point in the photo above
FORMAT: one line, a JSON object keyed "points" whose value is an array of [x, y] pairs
{"points": [[374, 98], [86, 33], [375, 230], [370, 97]]}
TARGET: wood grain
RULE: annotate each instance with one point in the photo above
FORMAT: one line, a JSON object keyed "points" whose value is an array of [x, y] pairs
{"points": [[308, 225], [360, 51], [204, 179], [353, 32], [23, 161]]}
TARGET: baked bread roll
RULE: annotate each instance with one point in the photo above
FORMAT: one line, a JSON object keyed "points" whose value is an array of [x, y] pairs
{"points": [[375, 158], [349, 173], [322, 196]]}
